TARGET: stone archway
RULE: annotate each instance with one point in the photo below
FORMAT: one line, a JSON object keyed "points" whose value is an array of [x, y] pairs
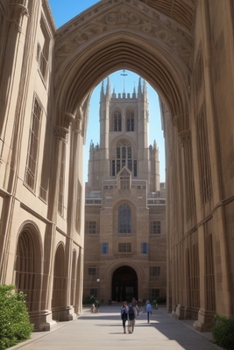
{"points": [[124, 284], [121, 35], [118, 34]]}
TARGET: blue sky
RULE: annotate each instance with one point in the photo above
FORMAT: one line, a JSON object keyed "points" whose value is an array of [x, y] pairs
{"points": [[62, 12]]}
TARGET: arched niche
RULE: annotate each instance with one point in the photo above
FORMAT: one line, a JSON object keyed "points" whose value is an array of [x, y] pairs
{"points": [[28, 265]]}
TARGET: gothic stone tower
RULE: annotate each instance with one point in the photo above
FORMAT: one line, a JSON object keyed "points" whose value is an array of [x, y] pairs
{"points": [[125, 240]]}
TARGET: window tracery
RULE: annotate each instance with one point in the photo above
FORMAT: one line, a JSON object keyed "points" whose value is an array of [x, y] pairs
{"points": [[117, 121], [124, 218], [123, 156], [130, 121]]}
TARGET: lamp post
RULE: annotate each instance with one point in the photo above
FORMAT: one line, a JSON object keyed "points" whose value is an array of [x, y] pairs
{"points": [[98, 294]]}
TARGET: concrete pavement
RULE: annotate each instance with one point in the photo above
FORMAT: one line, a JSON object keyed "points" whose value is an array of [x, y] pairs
{"points": [[104, 331]]}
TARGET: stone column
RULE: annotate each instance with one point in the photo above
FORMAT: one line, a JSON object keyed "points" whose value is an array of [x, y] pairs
{"points": [[13, 41], [220, 251], [50, 235], [13, 58], [72, 208]]}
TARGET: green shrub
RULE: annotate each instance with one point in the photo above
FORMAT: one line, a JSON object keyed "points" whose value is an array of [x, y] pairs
{"points": [[223, 332], [14, 319], [89, 300], [157, 301]]}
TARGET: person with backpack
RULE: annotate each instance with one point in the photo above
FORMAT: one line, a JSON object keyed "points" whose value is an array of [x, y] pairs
{"points": [[131, 318], [124, 314]]}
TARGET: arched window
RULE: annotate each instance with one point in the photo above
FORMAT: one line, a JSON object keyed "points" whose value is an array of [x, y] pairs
{"points": [[124, 218], [123, 157], [117, 121], [33, 145], [124, 180], [130, 121]]}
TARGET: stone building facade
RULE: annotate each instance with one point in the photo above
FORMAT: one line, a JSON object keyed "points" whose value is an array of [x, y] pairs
{"points": [[185, 50], [125, 226], [41, 237]]}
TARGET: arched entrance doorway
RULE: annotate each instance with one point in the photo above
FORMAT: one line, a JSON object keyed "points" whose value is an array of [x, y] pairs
{"points": [[124, 284]]}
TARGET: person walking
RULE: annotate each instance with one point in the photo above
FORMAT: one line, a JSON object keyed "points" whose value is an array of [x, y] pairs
{"points": [[132, 313], [135, 304], [148, 309], [124, 314]]}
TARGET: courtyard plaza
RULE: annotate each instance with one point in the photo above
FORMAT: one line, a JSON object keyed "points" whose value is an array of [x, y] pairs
{"points": [[103, 330]]}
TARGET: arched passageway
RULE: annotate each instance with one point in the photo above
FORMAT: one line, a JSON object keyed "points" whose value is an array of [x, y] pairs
{"points": [[123, 40], [124, 284], [180, 50]]}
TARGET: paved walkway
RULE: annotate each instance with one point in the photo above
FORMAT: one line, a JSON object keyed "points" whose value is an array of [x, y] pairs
{"points": [[104, 331]]}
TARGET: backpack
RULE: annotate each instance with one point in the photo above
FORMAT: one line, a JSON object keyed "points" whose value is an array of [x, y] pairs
{"points": [[131, 313]]}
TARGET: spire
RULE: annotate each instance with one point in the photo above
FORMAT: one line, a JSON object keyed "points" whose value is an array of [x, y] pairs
{"points": [[145, 87], [139, 87], [102, 90], [108, 88], [91, 145], [134, 92]]}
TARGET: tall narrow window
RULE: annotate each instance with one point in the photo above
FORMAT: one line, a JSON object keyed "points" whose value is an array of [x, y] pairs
{"points": [[117, 120], [135, 168], [155, 227], [34, 136], [130, 121], [204, 156], [123, 156], [91, 227], [124, 219], [61, 181], [154, 271], [104, 248], [144, 248], [113, 168], [43, 51], [93, 273]]}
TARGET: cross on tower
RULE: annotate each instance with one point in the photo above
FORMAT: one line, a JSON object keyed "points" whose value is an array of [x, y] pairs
{"points": [[124, 75]]}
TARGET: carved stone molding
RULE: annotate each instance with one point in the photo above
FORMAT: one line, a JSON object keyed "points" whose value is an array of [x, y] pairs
{"points": [[68, 119], [77, 126], [184, 136], [132, 15], [60, 132], [18, 9]]}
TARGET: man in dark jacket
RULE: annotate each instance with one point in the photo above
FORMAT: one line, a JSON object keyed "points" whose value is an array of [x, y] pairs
{"points": [[131, 318]]}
